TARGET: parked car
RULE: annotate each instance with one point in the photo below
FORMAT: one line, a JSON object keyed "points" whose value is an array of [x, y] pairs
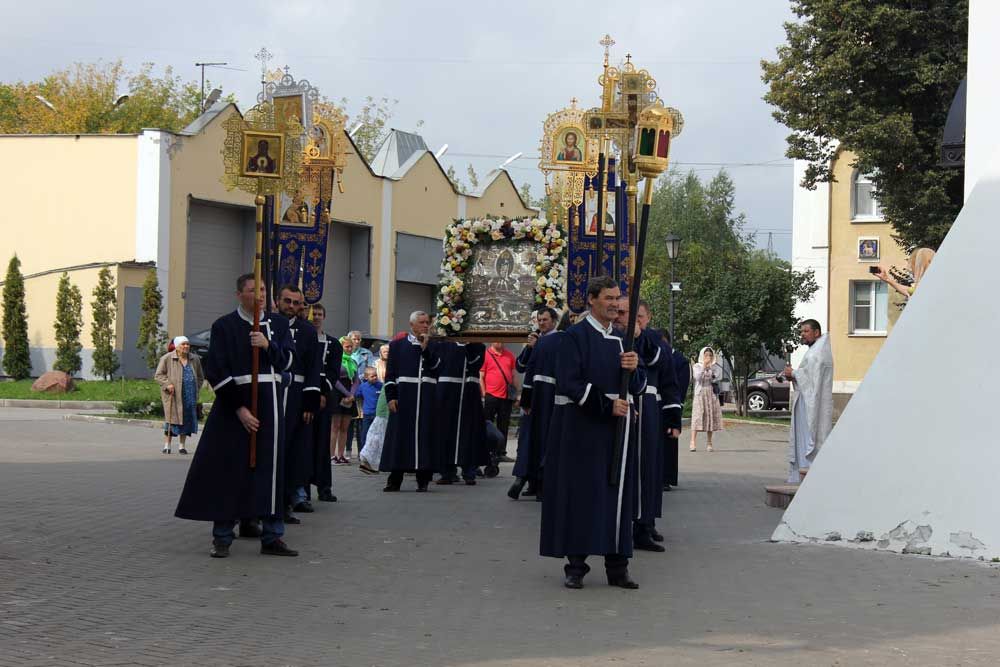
{"points": [[765, 392], [199, 342]]}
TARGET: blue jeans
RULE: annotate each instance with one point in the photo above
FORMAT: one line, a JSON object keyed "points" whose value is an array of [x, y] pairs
{"points": [[272, 528]]}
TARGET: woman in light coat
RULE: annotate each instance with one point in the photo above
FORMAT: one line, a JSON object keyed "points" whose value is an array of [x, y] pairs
{"points": [[180, 377], [706, 414]]}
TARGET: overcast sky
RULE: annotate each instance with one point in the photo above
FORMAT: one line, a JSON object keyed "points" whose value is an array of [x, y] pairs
{"points": [[482, 76]]}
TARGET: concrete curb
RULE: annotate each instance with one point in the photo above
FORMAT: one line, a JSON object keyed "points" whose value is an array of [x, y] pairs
{"points": [[101, 419], [56, 404]]}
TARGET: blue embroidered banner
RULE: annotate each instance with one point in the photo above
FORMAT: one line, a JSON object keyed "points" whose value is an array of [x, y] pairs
{"points": [[300, 254], [583, 239]]}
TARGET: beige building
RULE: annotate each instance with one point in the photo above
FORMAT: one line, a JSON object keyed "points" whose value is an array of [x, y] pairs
{"points": [[154, 199], [839, 232]]}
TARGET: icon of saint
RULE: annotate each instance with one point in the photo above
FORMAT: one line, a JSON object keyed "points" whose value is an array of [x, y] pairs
{"points": [[262, 162], [570, 151]]}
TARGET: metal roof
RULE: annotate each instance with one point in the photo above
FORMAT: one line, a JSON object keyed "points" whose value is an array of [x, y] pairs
{"points": [[395, 151]]}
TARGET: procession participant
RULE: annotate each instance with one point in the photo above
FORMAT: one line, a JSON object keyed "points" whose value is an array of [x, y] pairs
{"points": [[671, 414], [499, 386], [582, 513], [538, 391], [301, 403], [812, 405], [221, 486], [545, 323], [409, 444], [331, 351], [461, 425]]}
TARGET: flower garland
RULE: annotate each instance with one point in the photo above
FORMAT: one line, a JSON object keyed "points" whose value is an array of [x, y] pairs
{"points": [[461, 237]]}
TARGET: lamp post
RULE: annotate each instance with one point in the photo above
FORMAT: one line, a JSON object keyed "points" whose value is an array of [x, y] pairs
{"points": [[673, 249]]}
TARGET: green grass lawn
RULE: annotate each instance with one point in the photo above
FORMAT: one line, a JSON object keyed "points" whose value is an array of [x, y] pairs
{"points": [[95, 390]]}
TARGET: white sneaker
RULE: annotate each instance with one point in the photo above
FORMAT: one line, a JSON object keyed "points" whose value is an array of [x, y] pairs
{"points": [[166, 450]]}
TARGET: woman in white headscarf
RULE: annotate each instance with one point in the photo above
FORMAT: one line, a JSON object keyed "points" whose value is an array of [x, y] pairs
{"points": [[180, 378], [706, 414]]}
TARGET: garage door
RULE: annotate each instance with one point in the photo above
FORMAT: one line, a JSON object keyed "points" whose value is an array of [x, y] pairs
{"points": [[411, 297], [220, 247]]}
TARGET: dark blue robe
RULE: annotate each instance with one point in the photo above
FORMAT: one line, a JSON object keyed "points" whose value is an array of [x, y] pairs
{"points": [[411, 379], [582, 513], [301, 395], [538, 393], [671, 413], [649, 441], [331, 353], [461, 424], [220, 485]]}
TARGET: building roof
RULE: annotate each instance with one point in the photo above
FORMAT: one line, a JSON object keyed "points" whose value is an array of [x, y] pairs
{"points": [[395, 151]]}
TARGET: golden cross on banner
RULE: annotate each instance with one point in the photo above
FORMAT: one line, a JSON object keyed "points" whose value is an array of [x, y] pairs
{"points": [[607, 43], [573, 102]]}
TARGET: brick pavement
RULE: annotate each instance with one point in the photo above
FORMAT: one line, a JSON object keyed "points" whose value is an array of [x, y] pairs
{"points": [[94, 570]]}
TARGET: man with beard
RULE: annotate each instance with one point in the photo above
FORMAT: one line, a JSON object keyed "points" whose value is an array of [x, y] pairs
{"points": [[331, 353], [301, 403], [410, 379], [583, 512], [221, 485]]}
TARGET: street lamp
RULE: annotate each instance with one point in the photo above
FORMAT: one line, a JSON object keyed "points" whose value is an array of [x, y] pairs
{"points": [[673, 249]]}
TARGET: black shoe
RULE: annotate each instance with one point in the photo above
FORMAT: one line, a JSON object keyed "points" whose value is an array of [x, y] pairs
{"points": [[515, 489], [622, 581], [327, 497], [219, 551], [666, 487], [305, 507], [573, 581], [532, 489], [277, 548], [250, 529], [292, 519], [470, 482], [182, 451], [646, 544], [390, 488], [656, 535], [422, 488], [445, 480]]}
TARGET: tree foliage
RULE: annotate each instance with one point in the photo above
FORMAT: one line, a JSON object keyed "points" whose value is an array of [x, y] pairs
{"points": [[152, 340], [877, 76], [16, 355], [734, 298], [84, 97], [102, 328], [69, 326]]}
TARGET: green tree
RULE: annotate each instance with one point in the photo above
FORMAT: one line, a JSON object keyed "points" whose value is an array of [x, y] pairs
{"points": [[473, 178], [877, 76], [735, 298], [373, 116], [152, 339], [68, 325], [102, 328], [16, 356], [87, 100]]}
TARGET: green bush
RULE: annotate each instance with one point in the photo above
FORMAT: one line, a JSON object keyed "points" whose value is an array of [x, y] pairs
{"points": [[137, 406]]}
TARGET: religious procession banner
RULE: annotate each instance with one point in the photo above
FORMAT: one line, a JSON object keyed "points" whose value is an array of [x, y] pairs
{"points": [[618, 234], [495, 273]]}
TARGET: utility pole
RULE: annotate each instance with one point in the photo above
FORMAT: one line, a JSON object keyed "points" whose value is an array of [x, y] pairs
{"points": [[201, 104]]}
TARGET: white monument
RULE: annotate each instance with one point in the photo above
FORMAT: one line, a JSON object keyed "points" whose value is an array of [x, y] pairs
{"points": [[911, 465]]}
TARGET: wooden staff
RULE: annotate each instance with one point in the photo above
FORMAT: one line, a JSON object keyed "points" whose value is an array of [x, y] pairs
{"points": [[254, 350], [629, 342], [601, 181]]}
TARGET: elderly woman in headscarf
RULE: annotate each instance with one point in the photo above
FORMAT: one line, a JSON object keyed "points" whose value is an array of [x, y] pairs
{"points": [[180, 377], [706, 414], [920, 261]]}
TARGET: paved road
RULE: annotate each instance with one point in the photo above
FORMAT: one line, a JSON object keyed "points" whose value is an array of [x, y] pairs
{"points": [[94, 570]]}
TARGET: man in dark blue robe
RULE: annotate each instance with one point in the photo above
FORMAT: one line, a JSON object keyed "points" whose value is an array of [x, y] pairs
{"points": [[331, 353], [301, 403], [672, 414], [221, 486], [538, 392], [583, 512], [462, 426], [410, 381]]}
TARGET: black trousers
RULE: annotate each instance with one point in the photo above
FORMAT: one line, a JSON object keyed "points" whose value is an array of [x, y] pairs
{"points": [[497, 410], [670, 465], [614, 565], [423, 477]]}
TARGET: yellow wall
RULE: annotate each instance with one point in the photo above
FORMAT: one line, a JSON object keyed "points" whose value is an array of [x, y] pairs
{"points": [[853, 354], [500, 198]]}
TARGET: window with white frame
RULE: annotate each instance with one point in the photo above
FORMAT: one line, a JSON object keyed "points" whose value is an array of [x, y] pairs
{"points": [[869, 307], [864, 205]]}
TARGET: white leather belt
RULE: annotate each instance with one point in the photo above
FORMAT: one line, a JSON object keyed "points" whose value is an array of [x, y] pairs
{"points": [[298, 378], [416, 380], [263, 377], [545, 378]]}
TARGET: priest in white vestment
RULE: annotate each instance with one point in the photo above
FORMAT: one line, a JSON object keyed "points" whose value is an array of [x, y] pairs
{"points": [[812, 405]]}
